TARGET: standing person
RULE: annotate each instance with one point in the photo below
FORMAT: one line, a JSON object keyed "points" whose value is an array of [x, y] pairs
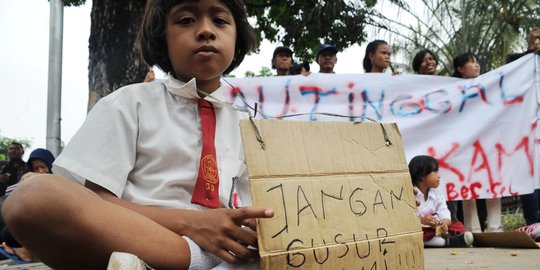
{"points": [[150, 75], [533, 45], [377, 57], [439, 230], [12, 171], [300, 68], [530, 202], [154, 166], [282, 61], [425, 62], [467, 66], [39, 162], [326, 58]]}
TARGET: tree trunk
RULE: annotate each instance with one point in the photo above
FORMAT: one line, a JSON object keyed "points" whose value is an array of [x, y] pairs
{"points": [[114, 60]]}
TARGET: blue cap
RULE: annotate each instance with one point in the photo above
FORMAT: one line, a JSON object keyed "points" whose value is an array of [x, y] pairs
{"points": [[326, 47], [43, 155]]}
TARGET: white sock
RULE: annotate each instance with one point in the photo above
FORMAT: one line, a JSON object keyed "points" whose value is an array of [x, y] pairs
{"points": [[200, 259]]}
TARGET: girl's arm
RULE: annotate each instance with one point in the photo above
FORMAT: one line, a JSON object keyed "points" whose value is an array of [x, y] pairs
{"points": [[218, 231]]}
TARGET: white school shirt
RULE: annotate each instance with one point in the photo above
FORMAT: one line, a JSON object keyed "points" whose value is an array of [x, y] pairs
{"points": [[435, 204], [143, 143]]}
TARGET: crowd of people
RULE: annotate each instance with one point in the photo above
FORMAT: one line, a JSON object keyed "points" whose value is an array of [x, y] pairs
{"points": [[377, 59], [464, 215], [17, 170], [157, 168]]}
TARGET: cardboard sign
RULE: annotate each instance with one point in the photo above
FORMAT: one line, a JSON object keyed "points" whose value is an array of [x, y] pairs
{"points": [[511, 239], [342, 196]]}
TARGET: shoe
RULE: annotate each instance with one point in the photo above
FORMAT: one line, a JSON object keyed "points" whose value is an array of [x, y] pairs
{"points": [[465, 239], [124, 261], [532, 230]]}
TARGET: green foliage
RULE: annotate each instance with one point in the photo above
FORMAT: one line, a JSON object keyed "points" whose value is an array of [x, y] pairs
{"points": [[512, 214], [74, 3], [512, 221], [6, 141], [250, 73], [490, 29], [264, 72], [304, 25]]}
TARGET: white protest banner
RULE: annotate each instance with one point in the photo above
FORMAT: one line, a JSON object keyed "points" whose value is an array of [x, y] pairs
{"points": [[483, 131]]}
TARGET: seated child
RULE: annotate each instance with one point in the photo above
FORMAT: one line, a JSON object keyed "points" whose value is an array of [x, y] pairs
{"points": [[155, 169], [439, 230]]}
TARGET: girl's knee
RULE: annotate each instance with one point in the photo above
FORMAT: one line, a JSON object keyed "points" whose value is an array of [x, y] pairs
{"points": [[32, 198]]}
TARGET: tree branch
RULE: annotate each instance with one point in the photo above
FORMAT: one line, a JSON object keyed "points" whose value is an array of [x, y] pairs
{"points": [[263, 5]]}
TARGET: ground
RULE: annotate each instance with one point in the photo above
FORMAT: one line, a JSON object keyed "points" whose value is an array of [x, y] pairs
{"points": [[440, 259], [481, 258]]}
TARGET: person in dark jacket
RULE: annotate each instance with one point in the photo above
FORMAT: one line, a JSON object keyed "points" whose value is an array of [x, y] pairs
{"points": [[533, 45], [12, 171], [530, 202]]}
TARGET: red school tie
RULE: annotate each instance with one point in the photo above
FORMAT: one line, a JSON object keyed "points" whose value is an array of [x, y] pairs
{"points": [[206, 191]]}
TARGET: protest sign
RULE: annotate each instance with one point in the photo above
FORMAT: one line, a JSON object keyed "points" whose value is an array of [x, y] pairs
{"points": [[341, 193], [483, 131]]}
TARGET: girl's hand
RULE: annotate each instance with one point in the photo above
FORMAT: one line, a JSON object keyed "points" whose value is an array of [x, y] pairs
{"points": [[431, 221], [444, 228], [220, 231]]}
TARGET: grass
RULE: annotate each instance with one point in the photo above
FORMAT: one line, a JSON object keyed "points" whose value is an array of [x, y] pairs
{"points": [[512, 220]]}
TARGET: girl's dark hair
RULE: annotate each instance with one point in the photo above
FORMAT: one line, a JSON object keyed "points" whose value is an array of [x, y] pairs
{"points": [[153, 45], [419, 57], [305, 64], [297, 67], [421, 166], [461, 60], [371, 48]]}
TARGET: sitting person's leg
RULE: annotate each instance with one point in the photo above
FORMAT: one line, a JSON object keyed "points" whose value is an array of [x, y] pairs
{"points": [[436, 241], [68, 226]]}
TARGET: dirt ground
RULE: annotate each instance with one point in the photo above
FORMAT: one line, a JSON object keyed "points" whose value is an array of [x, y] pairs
{"points": [[435, 259], [481, 258]]}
